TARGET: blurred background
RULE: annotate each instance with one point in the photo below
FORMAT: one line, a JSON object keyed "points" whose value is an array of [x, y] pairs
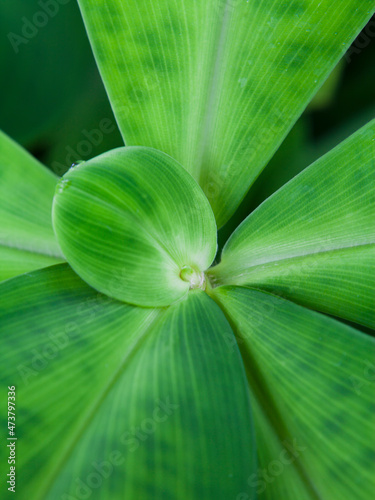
{"points": [[52, 100]]}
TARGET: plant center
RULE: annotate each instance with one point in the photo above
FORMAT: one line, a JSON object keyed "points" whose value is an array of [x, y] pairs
{"points": [[195, 278]]}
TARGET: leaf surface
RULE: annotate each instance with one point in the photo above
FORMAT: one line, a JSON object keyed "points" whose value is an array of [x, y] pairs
{"points": [[313, 240], [27, 240], [217, 84], [130, 220], [313, 378], [277, 476], [131, 402]]}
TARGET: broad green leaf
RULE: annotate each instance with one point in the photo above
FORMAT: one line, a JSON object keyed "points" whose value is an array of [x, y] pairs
{"points": [[27, 240], [289, 160], [313, 378], [277, 476], [217, 84], [14, 262], [115, 401], [313, 240], [135, 226]]}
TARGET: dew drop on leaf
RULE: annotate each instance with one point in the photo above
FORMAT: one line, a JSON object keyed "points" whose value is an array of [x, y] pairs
{"points": [[77, 163], [64, 184]]}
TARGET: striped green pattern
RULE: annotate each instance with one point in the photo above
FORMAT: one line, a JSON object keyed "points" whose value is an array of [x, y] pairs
{"points": [[217, 84], [115, 401], [61, 346], [313, 378], [14, 261], [130, 220], [27, 240], [313, 241], [278, 475]]}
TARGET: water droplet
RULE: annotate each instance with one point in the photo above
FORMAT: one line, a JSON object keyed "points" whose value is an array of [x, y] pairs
{"points": [[64, 184], [77, 163]]}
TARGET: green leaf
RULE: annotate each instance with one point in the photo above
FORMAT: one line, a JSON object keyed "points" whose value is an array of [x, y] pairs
{"points": [[289, 160], [135, 226], [115, 401], [14, 262], [313, 378], [313, 240], [277, 476], [27, 240], [217, 84]]}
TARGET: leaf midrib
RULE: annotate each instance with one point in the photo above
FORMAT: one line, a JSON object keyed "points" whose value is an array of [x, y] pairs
{"points": [[32, 251], [91, 413], [262, 393], [217, 63], [245, 268]]}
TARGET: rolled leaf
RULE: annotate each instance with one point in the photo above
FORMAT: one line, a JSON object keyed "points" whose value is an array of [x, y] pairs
{"points": [[135, 226]]}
